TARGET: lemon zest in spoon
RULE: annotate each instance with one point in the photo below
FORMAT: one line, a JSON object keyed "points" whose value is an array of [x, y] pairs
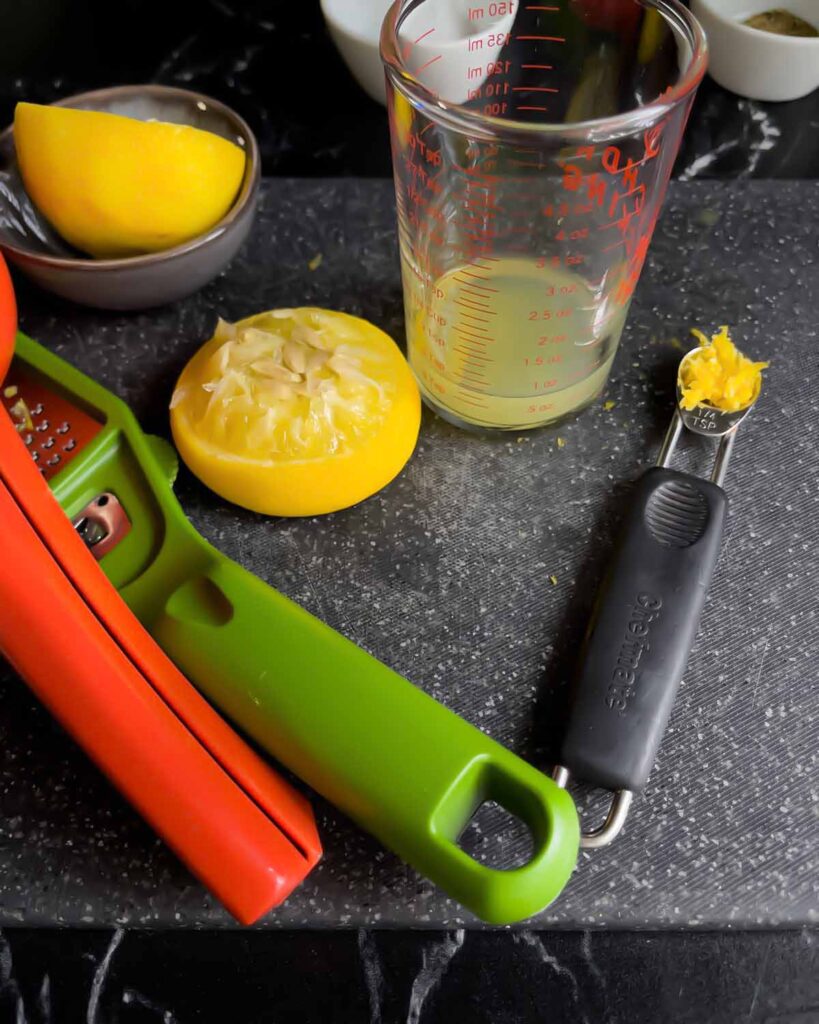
{"points": [[719, 375]]}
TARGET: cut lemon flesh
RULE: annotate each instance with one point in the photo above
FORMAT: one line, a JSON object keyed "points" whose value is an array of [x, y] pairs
{"points": [[296, 411]]}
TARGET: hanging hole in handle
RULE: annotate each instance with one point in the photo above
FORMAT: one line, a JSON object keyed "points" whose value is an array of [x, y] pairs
{"points": [[486, 809], [497, 838]]}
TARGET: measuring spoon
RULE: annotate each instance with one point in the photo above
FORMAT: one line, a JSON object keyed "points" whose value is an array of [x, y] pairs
{"points": [[646, 617]]}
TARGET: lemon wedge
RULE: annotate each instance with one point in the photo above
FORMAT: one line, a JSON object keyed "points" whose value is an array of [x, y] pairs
{"points": [[113, 186]]}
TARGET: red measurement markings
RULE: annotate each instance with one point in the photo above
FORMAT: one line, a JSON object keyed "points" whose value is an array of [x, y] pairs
{"points": [[533, 88], [542, 360], [473, 394], [476, 297], [425, 65], [480, 277], [547, 314], [622, 192], [522, 107], [539, 67], [473, 357], [432, 156], [471, 335], [468, 304], [408, 48], [466, 387], [473, 339], [570, 259], [564, 209], [480, 287], [548, 39], [481, 333]]}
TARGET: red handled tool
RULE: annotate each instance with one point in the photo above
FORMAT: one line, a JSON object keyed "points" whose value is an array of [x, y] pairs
{"points": [[245, 832]]}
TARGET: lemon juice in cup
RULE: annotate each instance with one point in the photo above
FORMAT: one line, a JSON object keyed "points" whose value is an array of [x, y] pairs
{"points": [[532, 145]]}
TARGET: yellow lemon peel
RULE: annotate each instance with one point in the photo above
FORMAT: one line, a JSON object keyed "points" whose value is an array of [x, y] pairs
{"points": [[114, 186]]}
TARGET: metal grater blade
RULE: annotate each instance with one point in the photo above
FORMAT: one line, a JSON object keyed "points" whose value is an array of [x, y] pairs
{"points": [[53, 429]]}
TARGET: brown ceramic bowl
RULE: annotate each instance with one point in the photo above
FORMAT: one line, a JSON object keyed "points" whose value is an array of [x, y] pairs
{"points": [[135, 282]]}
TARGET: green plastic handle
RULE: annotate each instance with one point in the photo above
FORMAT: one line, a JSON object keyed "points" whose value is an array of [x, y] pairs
{"points": [[403, 766], [396, 761]]}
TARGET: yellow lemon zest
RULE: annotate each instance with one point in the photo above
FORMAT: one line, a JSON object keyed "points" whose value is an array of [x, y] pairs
{"points": [[719, 375]]}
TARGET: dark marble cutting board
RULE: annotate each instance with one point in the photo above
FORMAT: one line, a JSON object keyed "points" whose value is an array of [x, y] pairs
{"points": [[446, 577]]}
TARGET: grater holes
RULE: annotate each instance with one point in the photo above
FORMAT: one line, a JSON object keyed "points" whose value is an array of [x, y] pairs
{"points": [[35, 456], [54, 460], [37, 410], [41, 427], [102, 524], [64, 427], [49, 443], [28, 440], [70, 446]]}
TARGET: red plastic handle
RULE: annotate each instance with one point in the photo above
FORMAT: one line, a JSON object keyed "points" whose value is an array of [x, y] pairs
{"points": [[245, 832], [81, 674], [285, 805], [8, 319]]}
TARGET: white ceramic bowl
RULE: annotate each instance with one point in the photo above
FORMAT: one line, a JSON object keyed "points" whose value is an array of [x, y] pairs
{"points": [[756, 64], [355, 26]]}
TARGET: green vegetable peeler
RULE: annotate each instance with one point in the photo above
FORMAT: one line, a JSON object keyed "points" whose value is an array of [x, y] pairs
{"points": [[400, 764]]}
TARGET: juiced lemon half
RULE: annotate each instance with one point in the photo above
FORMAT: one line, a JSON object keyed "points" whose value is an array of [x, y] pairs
{"points": [[113, 186], [296, 412]]}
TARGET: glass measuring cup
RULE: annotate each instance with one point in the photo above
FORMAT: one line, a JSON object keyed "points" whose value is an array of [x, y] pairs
{"points": [[532, 146]]}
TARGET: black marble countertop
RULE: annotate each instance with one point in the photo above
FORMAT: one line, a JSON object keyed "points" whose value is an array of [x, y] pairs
{"points": [[123, 976], [273, 61], [455, 592]]}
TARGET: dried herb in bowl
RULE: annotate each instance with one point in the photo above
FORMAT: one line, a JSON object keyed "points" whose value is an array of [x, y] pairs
{"points": [[782, 23]]}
